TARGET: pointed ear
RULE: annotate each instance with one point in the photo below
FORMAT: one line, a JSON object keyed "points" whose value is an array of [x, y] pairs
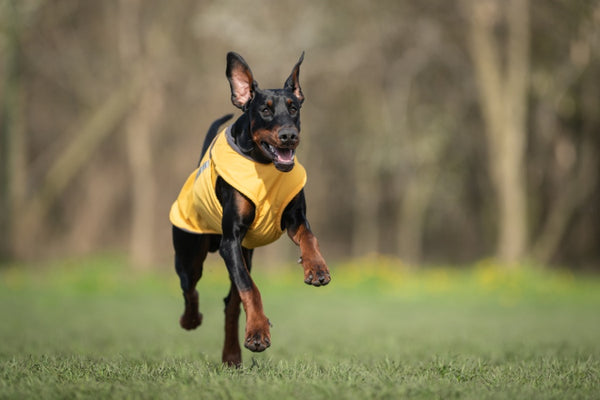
{"points": [[240, 80], [292, 83]]}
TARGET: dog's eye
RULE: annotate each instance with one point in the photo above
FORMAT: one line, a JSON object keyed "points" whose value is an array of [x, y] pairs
{"points": [[293, 109], [266, 111]]}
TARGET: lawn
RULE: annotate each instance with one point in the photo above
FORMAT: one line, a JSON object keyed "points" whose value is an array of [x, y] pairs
{"points": [[95, 329]]}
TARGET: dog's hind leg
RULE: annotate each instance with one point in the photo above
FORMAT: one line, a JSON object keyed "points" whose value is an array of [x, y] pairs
{"points": [[232, 353], [190, 253]]}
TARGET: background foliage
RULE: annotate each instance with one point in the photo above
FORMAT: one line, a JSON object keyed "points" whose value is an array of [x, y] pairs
{"points": [[104, 105]]}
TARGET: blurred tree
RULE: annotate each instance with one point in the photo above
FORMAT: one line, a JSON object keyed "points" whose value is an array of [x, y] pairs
{"points": [[566, 141], [503, 93], [104, 106], [12, 125], [140, 128]]}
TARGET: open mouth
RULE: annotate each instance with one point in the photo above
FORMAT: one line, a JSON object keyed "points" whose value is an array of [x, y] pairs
{"points": [[280, 155]]}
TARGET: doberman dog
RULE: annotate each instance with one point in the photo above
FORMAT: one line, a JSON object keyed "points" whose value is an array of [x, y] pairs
{"points": [[254, 187]]}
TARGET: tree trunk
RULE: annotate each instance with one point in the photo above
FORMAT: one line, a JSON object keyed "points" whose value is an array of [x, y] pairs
{"points": [[12, 138], [413, 210], [574, 192], [365, 228], [140, 128], [504, 102]]}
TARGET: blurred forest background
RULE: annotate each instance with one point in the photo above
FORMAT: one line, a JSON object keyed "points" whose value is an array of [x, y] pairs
{"points": [[434, 131]]}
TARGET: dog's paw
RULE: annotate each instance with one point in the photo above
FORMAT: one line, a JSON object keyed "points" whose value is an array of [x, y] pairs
{"points": [[191, 318], [316, 273], [232, 359], [189, 321], [258, 336]]}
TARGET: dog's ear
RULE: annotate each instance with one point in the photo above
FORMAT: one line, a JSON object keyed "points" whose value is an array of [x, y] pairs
{"points": [[292, 83], [240, 80]]}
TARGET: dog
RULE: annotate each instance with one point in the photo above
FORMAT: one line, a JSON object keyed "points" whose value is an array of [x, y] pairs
{"points": [[247, 190]]}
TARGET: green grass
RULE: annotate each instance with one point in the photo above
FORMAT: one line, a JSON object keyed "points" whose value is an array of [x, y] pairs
{"points": [[95, 329]]}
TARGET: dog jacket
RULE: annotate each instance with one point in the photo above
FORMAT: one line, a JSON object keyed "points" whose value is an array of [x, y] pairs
{"points": [[197, 209]]}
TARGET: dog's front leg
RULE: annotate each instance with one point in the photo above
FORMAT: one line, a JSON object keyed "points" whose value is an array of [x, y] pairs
{"points": [[316, 272], [238, 215]]}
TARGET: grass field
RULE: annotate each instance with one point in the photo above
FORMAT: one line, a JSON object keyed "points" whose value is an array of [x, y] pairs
{"points": [[95, 329]]}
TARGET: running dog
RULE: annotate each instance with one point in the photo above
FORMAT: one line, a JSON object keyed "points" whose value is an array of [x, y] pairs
{"points": [[247, 190]]}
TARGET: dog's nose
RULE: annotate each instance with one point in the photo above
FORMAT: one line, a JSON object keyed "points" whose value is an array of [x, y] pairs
{"points": [[288, 136]]}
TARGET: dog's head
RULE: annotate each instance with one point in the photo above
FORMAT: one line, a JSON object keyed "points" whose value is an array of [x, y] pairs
{"points": [[274, 114]]}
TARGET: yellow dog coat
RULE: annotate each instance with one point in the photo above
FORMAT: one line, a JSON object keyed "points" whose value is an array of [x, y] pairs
{"points": [[198, 210]]}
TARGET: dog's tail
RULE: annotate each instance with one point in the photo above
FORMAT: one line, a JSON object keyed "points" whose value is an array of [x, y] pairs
{"points": [[212, 132]]}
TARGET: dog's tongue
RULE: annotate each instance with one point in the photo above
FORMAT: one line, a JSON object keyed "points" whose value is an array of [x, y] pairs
{"points": [[285, 156]]}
